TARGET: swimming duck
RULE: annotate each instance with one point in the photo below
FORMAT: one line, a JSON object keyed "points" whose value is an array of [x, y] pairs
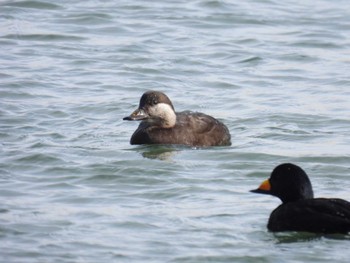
{"points": [[160, 124], [299, 210]]}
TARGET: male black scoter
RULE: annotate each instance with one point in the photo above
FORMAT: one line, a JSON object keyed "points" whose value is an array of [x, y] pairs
{"points": [[299, 210], [160, 124]]}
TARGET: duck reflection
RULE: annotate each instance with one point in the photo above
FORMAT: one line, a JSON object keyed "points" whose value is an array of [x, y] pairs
{"points": [[160, 152]]}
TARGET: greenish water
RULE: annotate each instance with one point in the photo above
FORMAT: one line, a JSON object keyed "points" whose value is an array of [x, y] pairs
{"points": [[72, 189]]}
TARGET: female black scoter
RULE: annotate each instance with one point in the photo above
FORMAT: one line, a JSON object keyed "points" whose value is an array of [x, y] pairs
{"points": [[160, 124], [299, 210]]}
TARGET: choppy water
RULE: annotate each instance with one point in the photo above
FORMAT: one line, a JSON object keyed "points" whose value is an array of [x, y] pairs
{"points": [[72, 189]]}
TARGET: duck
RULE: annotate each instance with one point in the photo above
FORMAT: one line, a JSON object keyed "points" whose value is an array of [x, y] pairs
{"points": [[299, 210], [160, 124]]}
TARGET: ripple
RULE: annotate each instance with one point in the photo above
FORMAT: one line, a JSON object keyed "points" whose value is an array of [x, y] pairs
{"points": [[34, 5], [74, 189], [44, 37]]}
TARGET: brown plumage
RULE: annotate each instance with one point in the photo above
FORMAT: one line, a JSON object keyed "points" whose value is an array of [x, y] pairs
{"points": [[160, 124]]}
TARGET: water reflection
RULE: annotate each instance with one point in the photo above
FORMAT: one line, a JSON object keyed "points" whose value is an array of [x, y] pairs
{"points": [[295, 237], [160, 152]]}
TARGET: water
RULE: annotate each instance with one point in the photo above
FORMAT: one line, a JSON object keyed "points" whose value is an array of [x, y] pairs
{"points": [[73, 189]]}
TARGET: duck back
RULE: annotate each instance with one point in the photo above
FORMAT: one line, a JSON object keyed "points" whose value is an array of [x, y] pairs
{"points": [[319, 215]]}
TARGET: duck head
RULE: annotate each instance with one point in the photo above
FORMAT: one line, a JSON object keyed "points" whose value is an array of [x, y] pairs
{"points": [[156, 109], [288, 182]]}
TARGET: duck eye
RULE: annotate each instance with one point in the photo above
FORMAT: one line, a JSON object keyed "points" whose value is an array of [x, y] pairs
{"points": [[153, 100]]}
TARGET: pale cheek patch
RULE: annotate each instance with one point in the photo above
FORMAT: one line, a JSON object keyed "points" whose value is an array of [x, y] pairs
{"points": [[165, 113]]}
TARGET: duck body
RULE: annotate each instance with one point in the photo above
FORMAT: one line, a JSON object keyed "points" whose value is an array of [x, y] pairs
{"points": [[160, 124], [299, 210], [191, 128], [318, 215]]}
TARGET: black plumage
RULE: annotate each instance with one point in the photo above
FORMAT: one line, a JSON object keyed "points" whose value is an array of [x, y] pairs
{"points": [[299, 210]]}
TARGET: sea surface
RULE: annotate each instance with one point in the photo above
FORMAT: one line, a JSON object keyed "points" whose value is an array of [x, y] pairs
{"points": [[72, 188]]}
